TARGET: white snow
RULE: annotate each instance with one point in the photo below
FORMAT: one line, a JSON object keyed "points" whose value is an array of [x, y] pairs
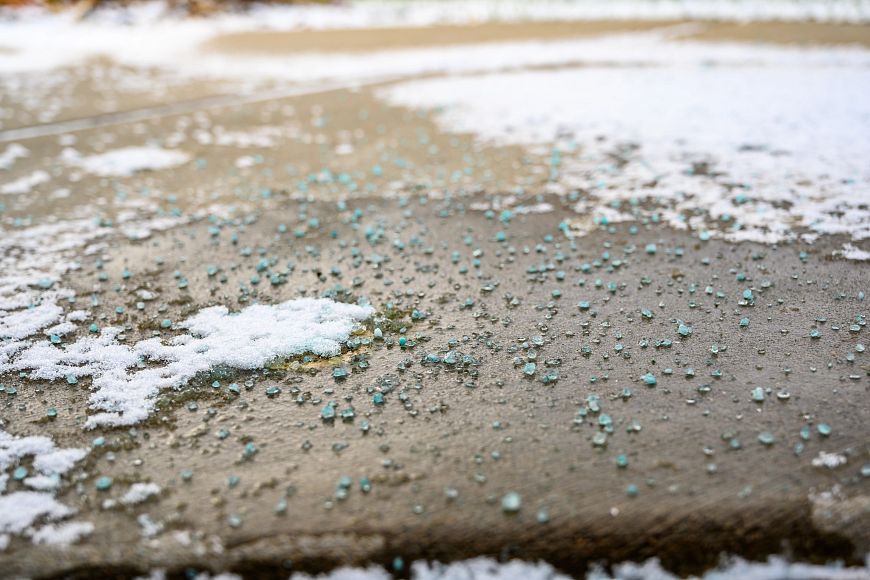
{"points": [[126, 161], [829, 460], [36, 40], [63, 534], [850, 252], [48, 459], [789, 127], [13, 152], [776, 568], [485, 569], [346, 573], [140, 492], [21, 511], [23, 323], [25, 183], [124, 390]]}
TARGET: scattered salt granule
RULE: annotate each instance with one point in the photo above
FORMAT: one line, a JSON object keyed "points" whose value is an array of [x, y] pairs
{"points": [[123, 391], [127, 160], [24, 184]]}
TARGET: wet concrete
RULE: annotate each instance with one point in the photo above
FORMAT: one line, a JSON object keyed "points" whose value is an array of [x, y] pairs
{"points": [[451, 439], [486, 429]]}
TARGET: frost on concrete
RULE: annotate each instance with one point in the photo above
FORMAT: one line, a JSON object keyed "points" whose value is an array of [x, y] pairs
{"points": [[22, 510], [125, 379], [126, 161]]}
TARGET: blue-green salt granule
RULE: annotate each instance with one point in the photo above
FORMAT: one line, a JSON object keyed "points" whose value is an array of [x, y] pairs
{"points": [[327, 413], [766, 439], [511, 503]]}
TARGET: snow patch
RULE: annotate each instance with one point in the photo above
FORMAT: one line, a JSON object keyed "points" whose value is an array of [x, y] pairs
{"points": [[39, 41], [140, 492], [851, 252], [126, 161], [776, 568], [829, 460], [756, 145], [63, 534], [12, 153], [21, 511], [124, 385], [25, 183]]}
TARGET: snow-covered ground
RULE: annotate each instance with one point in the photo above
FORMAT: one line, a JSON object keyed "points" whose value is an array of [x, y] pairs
{"points": [[784, 133]]}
